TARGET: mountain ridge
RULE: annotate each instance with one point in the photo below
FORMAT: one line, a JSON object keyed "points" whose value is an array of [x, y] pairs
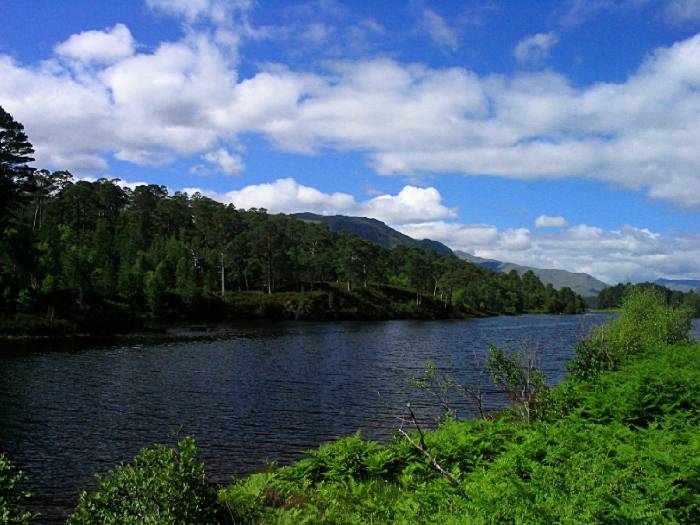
{"points": [[680, 285], [582, 283], [374, 230]]}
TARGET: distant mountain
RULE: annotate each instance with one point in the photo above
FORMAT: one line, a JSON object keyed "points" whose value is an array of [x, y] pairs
{"points": [[581, 283], [681, 285], [374, 231]]}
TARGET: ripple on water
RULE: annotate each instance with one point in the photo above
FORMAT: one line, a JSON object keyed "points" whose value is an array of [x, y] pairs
{"points": [[261, 391]]}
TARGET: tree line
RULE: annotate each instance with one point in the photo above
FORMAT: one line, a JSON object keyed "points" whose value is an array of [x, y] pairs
{"points": [[77, 246], [613, 296]]}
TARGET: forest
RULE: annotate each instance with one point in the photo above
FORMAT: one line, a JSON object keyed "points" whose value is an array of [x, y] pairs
{"points": [[95, 256], [613, 296]]}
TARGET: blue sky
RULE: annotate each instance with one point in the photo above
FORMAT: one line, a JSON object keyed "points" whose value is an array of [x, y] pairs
{"points": [[557, 134]]}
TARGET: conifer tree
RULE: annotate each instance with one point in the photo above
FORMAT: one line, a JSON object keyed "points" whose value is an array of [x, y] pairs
{"points": [[15, 155]]}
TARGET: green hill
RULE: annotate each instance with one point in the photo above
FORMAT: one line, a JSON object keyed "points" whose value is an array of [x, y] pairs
{"points": [[374, 231]]}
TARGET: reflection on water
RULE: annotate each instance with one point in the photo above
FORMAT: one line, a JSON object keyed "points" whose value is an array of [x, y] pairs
{"points": [[254, 392]]}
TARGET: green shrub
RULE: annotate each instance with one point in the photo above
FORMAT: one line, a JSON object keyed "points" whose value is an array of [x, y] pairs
{"points": [[516, 374], [245, 498], [645, 322], [577, 472], [11, 497], [162, 486]]}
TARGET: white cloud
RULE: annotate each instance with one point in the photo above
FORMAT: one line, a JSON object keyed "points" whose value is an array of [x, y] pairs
{"points": [[99, 46], [185, 98], [189, 9], [627, 254], [439, 30], [227, 163], [535, 48], [410, 205], [119, 182], [226, 21], [455, 235], [548, 221], [317, 33]]}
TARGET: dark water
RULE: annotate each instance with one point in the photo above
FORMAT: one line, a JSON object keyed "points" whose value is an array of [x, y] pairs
{"points": [[256, 392]]}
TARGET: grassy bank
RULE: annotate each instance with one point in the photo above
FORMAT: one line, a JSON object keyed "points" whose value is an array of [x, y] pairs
{"points": [[617, 442]]}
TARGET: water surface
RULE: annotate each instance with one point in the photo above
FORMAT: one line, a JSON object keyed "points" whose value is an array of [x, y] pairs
{"points": [[256, 392]]}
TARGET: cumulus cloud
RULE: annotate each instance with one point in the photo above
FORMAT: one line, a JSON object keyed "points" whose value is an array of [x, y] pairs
{"points": [[439, 30], [535, 48], [227, 162], [548, 221], [626, 254], [119, 182], [186, 98], [410, 205], [105, 46]]}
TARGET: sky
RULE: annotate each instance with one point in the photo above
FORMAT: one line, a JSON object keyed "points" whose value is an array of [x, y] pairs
{"points": [[560, 134]]}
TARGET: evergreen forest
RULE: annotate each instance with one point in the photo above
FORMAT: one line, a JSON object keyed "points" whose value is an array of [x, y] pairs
{"points": [[96, 257]]}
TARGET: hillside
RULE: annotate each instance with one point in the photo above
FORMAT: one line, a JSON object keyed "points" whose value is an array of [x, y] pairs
{"points": [[374, 231], [581, 283]]}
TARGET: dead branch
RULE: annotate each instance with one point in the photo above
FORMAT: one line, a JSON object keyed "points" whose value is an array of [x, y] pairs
{"points": [[421, 446]]}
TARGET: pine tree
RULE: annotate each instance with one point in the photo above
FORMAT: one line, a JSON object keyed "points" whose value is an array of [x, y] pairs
{"points": [[15, 155]]}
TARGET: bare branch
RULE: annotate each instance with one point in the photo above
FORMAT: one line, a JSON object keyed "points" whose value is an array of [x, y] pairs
{"points": [[421, 446]]}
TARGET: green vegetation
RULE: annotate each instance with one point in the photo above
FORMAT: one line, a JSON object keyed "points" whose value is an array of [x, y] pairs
{"points": [[612, 297], [79, 256], [11, 496], [645, 321], [615, 443], [162, 486]]}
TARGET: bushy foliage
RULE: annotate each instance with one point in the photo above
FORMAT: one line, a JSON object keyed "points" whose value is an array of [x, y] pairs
{"points": [[645, 321], [11, 496], [613, 296], [162, 486], [33, 325], [517, 374]]}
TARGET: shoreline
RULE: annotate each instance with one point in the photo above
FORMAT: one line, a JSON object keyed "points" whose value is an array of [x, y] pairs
{"points": [[187, 331]]}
